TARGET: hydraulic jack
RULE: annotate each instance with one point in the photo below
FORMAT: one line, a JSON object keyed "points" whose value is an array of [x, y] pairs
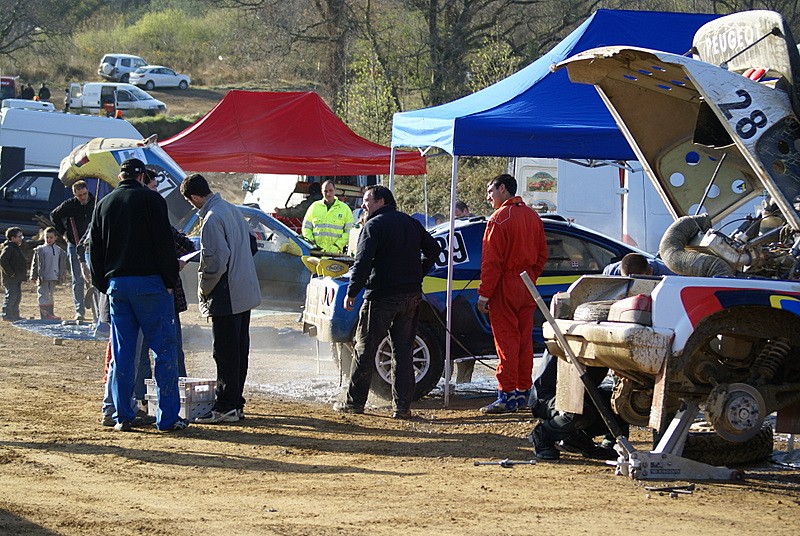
{"points": [[663, 463]]}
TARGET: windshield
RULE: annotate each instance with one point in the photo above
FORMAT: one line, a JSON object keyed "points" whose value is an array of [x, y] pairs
{"points": [[140, 70], [139, 94]]}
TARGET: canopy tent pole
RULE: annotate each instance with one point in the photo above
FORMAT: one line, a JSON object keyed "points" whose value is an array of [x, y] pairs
{"points": [[448, 366], [392, 157]]}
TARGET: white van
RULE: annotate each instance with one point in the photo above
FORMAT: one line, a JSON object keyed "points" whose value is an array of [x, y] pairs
{"points": [[110, 97], [618, 201], [48, 136]]}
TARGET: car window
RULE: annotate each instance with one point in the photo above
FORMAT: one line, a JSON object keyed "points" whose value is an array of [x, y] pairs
{"points": [[566, 253], [139, 62], [124, 96], [267, 239], [31, 187], [140, 70], [169, 72]]}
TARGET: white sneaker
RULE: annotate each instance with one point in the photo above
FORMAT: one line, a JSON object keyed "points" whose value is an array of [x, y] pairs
{"points": [[215, 416]]}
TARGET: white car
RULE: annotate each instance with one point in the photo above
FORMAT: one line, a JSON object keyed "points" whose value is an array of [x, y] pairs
{"points": [[153, 76]]}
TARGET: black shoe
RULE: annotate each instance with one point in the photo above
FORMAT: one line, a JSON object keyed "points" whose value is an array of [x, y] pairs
{"points": [[543, 450], [403, 415], [124, 426], [143, 420], [180, 424], [344, 407], [577, 443]]}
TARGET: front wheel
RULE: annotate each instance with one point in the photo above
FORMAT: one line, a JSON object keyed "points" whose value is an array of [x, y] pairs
{"points": [[183, 85]]}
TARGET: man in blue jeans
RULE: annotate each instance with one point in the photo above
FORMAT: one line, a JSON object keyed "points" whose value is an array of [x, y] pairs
{"points": [[394, 252], [133, 261]]}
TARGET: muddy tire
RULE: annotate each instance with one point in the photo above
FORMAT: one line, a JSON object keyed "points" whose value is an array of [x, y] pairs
{"points": [[428, 364], [596, 311], [710, 448]]}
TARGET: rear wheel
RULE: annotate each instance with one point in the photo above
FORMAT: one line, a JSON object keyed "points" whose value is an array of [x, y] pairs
{"points": [[427, 358], [124, 78], [150, 85], [713, 449]]}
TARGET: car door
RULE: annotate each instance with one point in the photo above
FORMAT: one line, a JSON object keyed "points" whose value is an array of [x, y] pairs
{"points": [[125, 100], [167, 78], [281, 273]]}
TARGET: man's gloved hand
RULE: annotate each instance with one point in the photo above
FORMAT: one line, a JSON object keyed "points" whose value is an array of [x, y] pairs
{"points": [[483, 304]]}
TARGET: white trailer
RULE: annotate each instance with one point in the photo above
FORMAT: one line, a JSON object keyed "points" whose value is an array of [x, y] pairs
{"points": [[48, 136]]}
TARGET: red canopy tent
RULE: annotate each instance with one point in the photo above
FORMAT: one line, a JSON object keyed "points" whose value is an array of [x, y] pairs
{"points": [[284, 133]]}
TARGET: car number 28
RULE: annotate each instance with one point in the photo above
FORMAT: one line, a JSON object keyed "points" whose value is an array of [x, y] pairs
{"points": [[460, 253]]}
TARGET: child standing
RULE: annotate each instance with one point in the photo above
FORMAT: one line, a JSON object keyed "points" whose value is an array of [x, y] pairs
{"points": [[47, 269], [12, 262]]}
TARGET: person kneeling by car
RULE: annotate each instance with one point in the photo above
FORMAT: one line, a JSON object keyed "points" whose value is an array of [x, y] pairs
{"points": [[564, 431]]}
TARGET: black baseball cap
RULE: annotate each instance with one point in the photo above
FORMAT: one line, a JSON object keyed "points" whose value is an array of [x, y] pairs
{"points": [[151, 173], [132, 166]]}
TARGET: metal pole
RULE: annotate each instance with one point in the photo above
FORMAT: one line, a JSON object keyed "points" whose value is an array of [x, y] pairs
{"points": [[448, 365]]}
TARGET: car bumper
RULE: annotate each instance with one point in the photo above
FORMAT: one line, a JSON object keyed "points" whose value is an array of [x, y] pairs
{"points": [[617, 345]]}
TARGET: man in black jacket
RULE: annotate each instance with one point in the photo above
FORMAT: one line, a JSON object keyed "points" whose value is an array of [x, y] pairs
{"points": [[133, 261], [394, 253], [71, 219]]}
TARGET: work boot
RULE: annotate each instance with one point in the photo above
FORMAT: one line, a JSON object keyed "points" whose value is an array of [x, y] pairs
{"points": [[51, 314], [506, 403], [543, 449]]}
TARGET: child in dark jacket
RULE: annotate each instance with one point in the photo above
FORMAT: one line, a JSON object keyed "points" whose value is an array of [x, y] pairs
{"points": [[12, 263]]}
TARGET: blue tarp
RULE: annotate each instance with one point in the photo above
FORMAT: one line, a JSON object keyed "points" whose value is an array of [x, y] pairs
{"points": [[538, 113]]}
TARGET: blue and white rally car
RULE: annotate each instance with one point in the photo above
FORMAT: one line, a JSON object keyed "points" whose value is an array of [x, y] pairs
{"points": [[573, 251]]}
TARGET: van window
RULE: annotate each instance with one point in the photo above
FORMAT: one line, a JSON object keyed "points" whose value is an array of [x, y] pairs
{"points": [[139, 62], [124, 96]]}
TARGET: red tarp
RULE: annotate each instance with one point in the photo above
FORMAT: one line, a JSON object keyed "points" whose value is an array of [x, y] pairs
{"points": [[284, 133]]}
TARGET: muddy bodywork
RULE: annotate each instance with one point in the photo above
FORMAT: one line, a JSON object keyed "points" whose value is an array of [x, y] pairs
{"points": [[711, 139]]}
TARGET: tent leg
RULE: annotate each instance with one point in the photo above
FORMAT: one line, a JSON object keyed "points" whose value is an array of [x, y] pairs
{"points": [[448, 365]]}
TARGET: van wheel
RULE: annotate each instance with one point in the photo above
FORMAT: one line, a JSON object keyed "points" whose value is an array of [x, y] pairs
{"points": [[149, 86], [183, 85]]}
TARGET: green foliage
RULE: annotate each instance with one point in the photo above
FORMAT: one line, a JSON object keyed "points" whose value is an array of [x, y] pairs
{"points": [[473, 174], [492, 63], [369, 104], [161, 125]]}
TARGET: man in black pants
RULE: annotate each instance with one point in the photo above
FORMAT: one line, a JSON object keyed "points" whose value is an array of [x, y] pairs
{"points": [[228, 289], [394, 253], [568, 432]]}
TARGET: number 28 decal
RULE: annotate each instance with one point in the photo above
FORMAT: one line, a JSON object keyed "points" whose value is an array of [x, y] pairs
{"points": [[747, 126]]}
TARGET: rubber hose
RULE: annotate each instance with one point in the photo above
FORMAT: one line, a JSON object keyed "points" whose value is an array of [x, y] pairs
{"points": [[674, 254]]}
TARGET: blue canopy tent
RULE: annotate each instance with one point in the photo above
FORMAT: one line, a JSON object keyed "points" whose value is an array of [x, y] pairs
{"points": [[539, 113]]}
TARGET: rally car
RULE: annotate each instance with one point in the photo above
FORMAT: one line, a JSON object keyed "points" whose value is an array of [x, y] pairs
{"points": [[572, 251]]}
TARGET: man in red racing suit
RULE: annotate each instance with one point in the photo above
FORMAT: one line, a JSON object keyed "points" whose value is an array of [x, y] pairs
{"points": [[514, 241]]}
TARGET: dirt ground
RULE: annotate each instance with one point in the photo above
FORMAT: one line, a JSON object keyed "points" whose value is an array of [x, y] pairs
{"points": [[299, 468]]}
